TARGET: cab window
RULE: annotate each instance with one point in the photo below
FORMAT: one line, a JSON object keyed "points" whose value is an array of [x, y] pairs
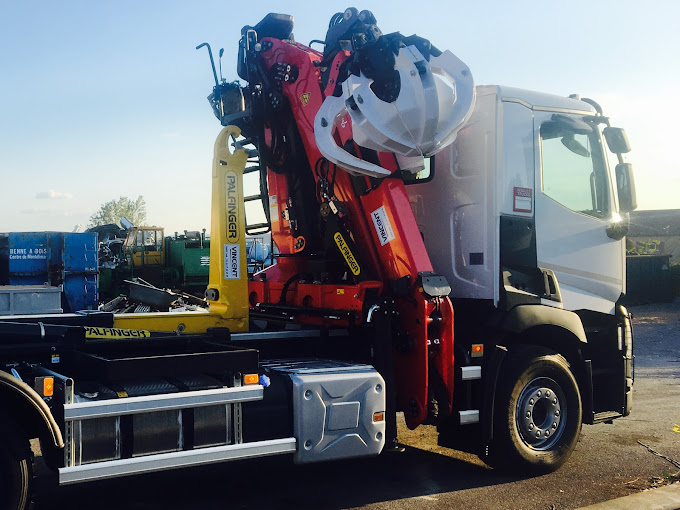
{"points": [[423, 176], [574, 172], [149, 238]]}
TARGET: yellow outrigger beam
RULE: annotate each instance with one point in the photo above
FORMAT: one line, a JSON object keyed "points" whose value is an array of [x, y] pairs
{"points": [[228, 289]]}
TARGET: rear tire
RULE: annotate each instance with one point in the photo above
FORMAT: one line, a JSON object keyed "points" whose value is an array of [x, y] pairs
{"points": [[538, 412], [16, 469]]}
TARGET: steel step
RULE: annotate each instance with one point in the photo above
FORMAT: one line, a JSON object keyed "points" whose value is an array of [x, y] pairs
{"points": [[165, 461], [153, 403]]}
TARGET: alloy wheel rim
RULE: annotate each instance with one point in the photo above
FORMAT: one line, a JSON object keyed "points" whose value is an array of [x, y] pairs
{"points": [[541, 413]]}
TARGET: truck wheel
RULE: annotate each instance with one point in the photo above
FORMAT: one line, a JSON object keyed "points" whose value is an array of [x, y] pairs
{"points": [[537, 416], [16, 470]]}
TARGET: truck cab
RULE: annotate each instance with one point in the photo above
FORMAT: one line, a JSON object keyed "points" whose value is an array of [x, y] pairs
{"points": [[145, 246], [525, 215], [520, 188]]}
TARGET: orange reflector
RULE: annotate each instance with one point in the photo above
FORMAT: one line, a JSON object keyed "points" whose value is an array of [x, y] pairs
{"points": [[48, 387], [477, 350], [44, 386], [379, 416], [251, 379]]}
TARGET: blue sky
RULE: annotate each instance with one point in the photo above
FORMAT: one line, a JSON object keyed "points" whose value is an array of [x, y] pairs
{"points": [[106, 99]]}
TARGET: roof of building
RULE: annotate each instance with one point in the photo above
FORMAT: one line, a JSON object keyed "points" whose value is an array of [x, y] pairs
{"points": [[661, 223]]}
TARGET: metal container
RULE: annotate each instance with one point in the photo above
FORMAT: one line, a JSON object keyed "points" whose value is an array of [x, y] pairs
{"points": [[57, 258], [29, 299], [188, 261], [335, 405], [80, 267], [4, 259], [30, 257], [648, 279]]}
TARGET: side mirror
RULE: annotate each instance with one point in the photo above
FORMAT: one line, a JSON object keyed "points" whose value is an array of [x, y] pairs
{"points": [[617, 141], [625, 185]]}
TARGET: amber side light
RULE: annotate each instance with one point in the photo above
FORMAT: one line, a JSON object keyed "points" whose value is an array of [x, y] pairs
{"points": [[251, 379], [44, 386]]}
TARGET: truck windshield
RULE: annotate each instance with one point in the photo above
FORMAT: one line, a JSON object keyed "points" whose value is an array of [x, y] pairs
{"points": [[574, 172]]}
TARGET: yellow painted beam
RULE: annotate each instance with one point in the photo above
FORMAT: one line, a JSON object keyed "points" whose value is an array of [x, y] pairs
{"points": [[184, 322], [228, 288]]}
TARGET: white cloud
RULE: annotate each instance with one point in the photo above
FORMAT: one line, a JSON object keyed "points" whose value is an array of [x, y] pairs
{"points": [[53, 195]]}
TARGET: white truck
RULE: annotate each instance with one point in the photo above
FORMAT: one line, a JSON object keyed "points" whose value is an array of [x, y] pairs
{"points": [[516, 225], [525, 215]]}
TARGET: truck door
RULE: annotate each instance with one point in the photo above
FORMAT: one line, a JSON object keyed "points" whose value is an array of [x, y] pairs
{"points": [[574, 207]]}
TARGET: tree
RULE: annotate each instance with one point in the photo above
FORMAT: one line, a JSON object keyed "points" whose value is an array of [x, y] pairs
{"points": [[113, 210]]}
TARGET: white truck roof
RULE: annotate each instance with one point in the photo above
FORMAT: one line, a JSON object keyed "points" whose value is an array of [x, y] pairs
{"points": [[537, 100]]}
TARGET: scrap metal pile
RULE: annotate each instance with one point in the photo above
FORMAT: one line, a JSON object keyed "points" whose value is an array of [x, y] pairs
{"points": [[144, 297]]}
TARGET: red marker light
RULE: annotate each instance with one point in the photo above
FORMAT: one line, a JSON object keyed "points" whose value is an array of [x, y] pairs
{"points": [[477, 350]]}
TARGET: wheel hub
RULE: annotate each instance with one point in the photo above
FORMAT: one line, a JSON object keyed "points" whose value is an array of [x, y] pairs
{"points": [[541, 413]]}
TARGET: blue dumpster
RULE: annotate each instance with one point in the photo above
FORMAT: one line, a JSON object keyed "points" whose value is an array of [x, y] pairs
{"points": [[57, 258], [30, 257], [80, 274]]}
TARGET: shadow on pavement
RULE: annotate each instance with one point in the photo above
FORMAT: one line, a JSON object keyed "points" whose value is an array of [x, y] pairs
{"points": [[276, 483]]}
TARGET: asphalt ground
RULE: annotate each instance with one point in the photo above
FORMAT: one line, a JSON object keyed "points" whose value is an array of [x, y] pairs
{"points": [[608, 461]]}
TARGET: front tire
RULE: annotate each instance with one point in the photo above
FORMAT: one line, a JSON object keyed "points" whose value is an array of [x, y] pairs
{"points": [[538, 412], [16, 469]]}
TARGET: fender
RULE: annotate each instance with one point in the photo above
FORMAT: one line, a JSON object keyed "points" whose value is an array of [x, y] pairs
{"points": [[493, 368], [36, 408], [521, 319], [524, 317]]}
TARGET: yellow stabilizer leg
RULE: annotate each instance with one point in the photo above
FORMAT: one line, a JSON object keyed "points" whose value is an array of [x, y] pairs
{"points": [[228, 289]]}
